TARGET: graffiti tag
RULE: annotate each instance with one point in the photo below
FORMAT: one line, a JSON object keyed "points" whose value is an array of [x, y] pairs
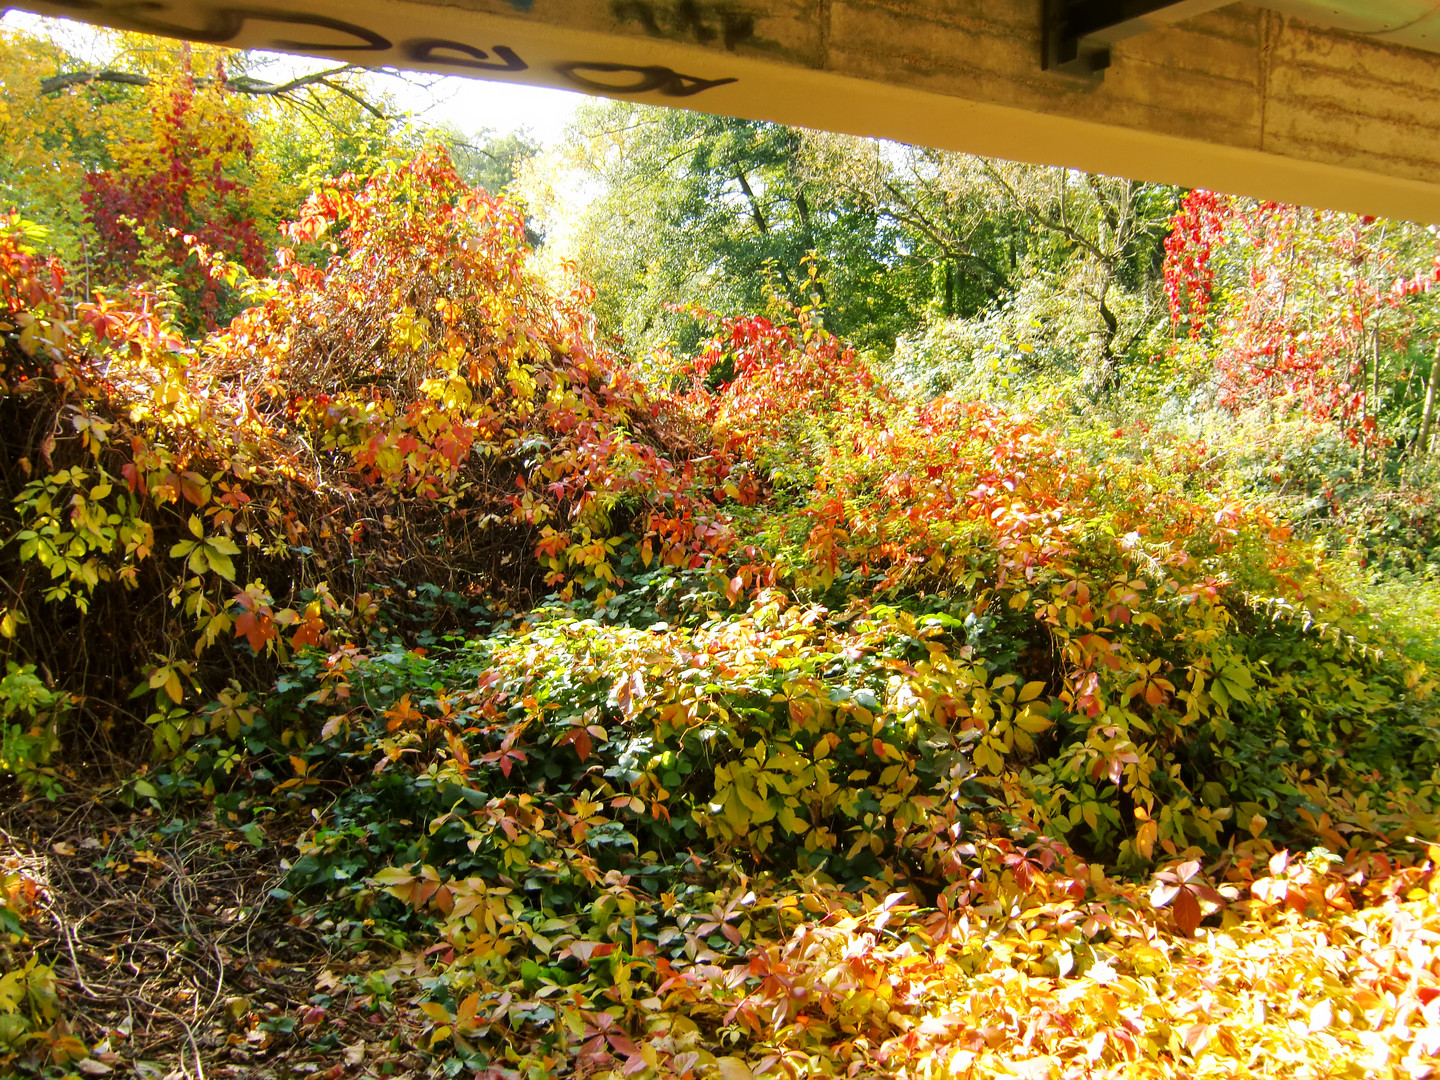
{"points": [[219, 26], [425, 50], [687, 18], [635, 79]]}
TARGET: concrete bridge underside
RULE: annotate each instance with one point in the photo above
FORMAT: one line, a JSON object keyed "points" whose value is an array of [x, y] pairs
{"points": [[1303, 107]]}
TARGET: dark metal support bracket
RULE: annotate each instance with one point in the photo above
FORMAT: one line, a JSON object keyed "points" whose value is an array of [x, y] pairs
{"points": [[1078, 34]]}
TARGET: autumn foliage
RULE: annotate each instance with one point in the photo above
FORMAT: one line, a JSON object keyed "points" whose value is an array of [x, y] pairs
{"points": [[1313, 299], [765, 722], [179, 187]]}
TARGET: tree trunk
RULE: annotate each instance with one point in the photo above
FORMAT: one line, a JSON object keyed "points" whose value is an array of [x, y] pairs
{"points": [[756, 213], [1427, 415], [1107, 362], [1370, 405], [1375, 381]]}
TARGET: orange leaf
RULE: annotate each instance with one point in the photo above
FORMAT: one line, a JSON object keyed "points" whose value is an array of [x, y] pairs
{"points": [[1187, 911]]}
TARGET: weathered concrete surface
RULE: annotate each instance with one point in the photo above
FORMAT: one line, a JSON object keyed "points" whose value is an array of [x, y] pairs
{"points": [[1239, 99]]}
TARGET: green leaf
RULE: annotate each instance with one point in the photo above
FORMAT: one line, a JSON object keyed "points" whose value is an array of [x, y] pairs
{"points": [[220, 562]]}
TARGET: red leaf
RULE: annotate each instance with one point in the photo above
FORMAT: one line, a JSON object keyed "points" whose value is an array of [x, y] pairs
{"points": [[1187, 911], [580, 739], [192, 487], [622, 1044]]}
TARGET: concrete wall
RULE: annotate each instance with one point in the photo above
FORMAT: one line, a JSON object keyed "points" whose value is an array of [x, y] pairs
{"points": [[1239, 99]]}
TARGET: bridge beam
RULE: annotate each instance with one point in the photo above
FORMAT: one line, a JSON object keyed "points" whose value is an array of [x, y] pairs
{"points": [[1228, 96]]}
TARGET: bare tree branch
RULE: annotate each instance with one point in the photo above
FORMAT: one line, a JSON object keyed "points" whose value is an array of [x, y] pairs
{"points": [[242, 84], [56, 83]]}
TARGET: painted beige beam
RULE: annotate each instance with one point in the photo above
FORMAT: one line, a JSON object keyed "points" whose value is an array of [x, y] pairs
{"points": [[1238, 99]]}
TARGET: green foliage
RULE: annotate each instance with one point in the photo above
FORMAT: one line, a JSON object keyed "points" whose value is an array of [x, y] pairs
{"points": [[28, 1002], [489, 161], [30, 720], [1405, 603], [719, 213]]}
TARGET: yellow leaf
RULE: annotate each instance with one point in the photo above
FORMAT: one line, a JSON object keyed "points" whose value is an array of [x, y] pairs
{"points": [[732, 1068], [962, 1061], [220, 563], [1033, 722], [68, 1048], [1031, 691], [1145, 837]]}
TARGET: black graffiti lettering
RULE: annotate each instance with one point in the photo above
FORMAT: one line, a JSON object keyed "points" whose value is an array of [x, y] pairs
{"points": [[425, 50], [637, 11], [641, 79], [373, 42], [646, 78], [685, 85], [735, 26], [224, 24], [687, 18]]}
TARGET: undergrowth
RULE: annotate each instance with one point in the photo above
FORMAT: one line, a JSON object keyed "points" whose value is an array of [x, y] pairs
{"points": [[768, 724]]}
